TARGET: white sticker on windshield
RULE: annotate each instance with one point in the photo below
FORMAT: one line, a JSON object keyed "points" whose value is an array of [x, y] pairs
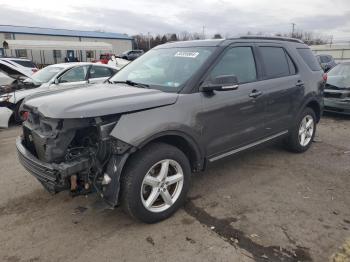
{"points": [[187, 54]]}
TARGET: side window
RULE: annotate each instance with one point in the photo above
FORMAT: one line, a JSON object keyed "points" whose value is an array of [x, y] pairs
{"points": [[75, 74], [309, 58], [100, 71], [275, 61], [238, 61]]}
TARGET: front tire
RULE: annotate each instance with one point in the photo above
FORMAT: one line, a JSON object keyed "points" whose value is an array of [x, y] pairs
{"points": [[302, 134], [16, 114], [155, 182]]}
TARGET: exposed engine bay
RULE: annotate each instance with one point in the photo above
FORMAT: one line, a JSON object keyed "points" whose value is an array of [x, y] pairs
{"points": [[74, 154], [16, 85]]}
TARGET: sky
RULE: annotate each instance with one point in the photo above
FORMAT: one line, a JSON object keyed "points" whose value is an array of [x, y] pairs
{"points": [[229, 18]]}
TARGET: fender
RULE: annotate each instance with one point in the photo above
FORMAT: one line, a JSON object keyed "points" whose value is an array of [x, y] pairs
{"points": [[194, 145], [114, 170], [180, 119]]}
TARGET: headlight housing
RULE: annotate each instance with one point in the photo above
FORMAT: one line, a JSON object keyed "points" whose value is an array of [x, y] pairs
{"points": [[5, 98]]}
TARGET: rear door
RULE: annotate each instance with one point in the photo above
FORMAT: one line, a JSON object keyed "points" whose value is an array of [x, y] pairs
{"points": [[235, 118], [99, 74], [282, 86]]}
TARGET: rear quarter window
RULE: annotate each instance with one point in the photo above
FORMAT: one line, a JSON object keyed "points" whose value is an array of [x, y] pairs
{"points": [[309, 58]]}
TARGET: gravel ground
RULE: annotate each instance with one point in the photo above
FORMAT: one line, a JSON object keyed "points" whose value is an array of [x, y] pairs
{"points": [[263, 205]]}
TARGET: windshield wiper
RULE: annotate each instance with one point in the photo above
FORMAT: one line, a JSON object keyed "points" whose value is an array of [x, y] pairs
{"points": [[131, 83]]}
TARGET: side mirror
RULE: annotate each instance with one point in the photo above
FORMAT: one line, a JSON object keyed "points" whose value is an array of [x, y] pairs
{"points": [[56, 81], [221, 83]]}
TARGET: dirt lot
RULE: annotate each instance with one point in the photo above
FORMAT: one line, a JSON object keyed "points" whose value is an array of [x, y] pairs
{"points": [[264, 205]]}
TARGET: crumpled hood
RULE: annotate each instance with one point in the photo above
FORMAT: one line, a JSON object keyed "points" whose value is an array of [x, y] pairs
{"points": [[97, 100], [339, 81]]}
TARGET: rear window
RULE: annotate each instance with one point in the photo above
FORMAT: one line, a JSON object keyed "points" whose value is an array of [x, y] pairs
{"points": [[309, 58], [25, 63], [275, 62]]}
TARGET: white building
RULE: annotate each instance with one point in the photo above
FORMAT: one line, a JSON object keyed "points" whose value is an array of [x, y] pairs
{"points": [[48, 46], [340, 52]]}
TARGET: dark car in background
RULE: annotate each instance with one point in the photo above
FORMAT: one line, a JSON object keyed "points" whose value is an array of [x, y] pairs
{"points": [[136, 140], [131, 54], [327, 62], [337, 89]]}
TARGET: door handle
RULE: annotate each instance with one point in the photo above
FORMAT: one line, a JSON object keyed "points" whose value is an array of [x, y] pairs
{"points": [[255, 93], [300, 83]]}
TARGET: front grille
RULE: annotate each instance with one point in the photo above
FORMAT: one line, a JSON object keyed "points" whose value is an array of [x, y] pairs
{"points": [[332, 87], [39, 170], [332, 95], [335, 109]]}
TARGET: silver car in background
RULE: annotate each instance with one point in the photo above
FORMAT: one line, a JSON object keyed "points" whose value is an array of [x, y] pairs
{"points": [[337, 89], [65, 75]]}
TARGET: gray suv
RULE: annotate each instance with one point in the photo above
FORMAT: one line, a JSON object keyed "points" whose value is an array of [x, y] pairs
{"points": [[136, 140]]}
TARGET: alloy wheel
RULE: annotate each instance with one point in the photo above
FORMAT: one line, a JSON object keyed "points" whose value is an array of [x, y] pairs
{"points": [[162, 185], [306, 130]]}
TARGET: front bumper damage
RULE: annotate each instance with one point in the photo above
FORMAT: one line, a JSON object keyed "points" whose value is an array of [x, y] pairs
{"points": [[337, 101], [57, 154], [54, 177]]}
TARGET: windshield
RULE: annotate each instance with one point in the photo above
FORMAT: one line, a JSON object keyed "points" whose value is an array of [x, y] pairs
{"points": [[165, 69], [339, 76], [46, 74]]}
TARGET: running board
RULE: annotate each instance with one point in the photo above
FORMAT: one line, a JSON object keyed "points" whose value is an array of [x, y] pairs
{"points": [[235, 151]]}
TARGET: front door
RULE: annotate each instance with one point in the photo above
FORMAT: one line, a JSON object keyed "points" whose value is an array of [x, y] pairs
{"points": [[233, 119], [75, 77]]}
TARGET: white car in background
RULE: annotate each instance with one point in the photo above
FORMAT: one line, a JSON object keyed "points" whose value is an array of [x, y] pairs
{"points": [[11, 64], [53, 77]]}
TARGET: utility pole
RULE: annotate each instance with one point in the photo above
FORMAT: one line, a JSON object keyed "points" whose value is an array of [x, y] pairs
{"points": [[203, 31], [149, 41], [293, 27]]}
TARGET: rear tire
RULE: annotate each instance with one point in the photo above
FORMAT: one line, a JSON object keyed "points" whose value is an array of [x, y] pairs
{"points": [[302, 134], [155, 182]]}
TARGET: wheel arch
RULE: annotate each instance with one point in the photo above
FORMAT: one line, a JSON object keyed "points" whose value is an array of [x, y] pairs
{"points": [[315, 105], [183, 142]]}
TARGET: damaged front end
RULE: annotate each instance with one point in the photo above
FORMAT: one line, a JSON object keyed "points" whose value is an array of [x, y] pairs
{"points": [[74, 154]]}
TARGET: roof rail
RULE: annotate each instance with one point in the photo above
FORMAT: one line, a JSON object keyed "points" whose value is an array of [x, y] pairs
{"points": [[278, 38]]}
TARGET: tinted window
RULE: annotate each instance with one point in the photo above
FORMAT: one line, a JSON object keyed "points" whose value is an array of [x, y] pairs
{"points": [[238, 61], [100, 71], [275, 62], [309, 58], [25, 63], [74, 75]]}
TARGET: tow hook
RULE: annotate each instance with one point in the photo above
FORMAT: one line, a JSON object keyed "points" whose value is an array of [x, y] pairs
{"points": [[73, 183]]}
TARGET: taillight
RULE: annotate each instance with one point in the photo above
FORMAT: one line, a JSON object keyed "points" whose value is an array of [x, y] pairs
{"points": [[325, 77], [25, 115]]}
